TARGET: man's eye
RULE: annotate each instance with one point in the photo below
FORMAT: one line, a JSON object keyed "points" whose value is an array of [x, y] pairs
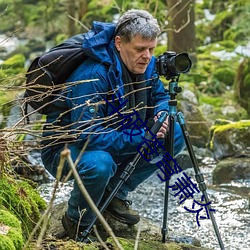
{"points": [[139, 50]]}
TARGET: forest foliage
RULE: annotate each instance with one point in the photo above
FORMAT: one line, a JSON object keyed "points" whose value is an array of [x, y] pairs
{"points": [[228, 20], [221, 34], [220, 67]]}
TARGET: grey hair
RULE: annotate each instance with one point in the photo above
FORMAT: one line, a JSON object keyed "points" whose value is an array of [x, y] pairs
{"points": [[137, 22]]}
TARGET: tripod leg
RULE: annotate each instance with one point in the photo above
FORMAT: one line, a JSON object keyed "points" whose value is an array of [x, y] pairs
{"points": [[198, 175], [170, 150], [164, 229]]}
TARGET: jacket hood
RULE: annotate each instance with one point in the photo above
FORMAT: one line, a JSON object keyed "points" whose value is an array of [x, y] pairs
{"points": [[98, 43]]}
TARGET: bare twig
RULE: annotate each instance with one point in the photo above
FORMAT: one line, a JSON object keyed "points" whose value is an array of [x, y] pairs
{"points": [[77, 21], [67, 155], [137, 236], [99, 238]]}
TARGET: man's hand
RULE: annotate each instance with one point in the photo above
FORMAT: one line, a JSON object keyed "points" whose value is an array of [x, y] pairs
{"points": [[164, 128]]}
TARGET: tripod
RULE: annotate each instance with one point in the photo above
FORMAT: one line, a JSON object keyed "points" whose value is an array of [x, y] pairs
{"points": [[173, 90]]}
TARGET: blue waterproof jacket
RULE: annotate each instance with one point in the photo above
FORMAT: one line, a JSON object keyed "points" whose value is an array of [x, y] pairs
{"points": [[89, 115]]}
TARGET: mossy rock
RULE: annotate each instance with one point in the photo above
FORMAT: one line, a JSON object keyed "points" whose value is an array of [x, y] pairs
{"points": [[21, 199], [11, 237], [231, 139]]}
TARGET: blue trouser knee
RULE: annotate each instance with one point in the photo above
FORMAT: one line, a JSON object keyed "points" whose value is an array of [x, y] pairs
{"points": [[95, 169]]}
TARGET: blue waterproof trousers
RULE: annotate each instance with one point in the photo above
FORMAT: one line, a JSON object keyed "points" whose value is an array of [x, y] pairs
{"points": [[99, 170]]}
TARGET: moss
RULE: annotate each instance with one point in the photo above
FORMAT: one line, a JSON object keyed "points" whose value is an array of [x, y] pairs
{"points": [[13, 71], [220, 24], [214, 101], [219, 103], [93, 246], [22, 200], [229, 45], [9, 219], [16, 237], [6, 243], [13, 239], [222, 122], [221, 132], [127, 244], [16, 61], [235, 125], [6, 96], [60, 38], [225, 75]]}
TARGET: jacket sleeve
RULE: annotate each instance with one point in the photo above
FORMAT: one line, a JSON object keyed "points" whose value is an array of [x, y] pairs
{"points": [[89, 117]]}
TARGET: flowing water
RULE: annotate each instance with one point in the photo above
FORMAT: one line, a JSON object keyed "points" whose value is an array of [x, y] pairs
{"points": [[230, 201]]}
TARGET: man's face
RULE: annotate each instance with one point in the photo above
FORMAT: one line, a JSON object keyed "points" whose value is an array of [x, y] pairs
{"points": [[137, 53]]}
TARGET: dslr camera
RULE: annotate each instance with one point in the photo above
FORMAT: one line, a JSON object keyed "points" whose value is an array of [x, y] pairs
{"points": [[171, 65]]}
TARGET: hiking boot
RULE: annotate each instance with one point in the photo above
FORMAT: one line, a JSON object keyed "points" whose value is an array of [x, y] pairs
{"points": [[121, 211], [75, 231]]}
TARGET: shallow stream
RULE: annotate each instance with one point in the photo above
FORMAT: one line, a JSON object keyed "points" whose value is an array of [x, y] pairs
{"points": [[230, 201]]}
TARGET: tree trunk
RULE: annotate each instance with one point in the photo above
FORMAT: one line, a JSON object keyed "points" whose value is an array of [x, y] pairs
{"points": [[83, 7], [181, 27], [71, 6]]}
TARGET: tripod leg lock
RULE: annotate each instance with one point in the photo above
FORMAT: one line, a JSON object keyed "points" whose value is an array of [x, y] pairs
{"points": [[200, 180]]}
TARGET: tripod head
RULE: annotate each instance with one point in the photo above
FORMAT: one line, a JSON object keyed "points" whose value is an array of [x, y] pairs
{"points": [[174, 89]]}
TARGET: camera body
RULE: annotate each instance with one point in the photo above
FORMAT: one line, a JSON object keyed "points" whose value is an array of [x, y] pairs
{"points": [[171, 65]]}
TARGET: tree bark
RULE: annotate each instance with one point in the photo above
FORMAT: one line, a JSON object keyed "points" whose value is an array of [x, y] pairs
{"points": [[181, 27], [83, 7], [71, 6]]}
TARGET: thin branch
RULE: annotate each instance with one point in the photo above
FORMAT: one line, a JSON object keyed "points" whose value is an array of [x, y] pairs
{"points": [[66, 154], [137, 236], [77, 21], [99, 238]]}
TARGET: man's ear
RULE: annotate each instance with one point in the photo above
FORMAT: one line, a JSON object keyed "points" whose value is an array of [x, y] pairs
{"points": [[118, 42]]}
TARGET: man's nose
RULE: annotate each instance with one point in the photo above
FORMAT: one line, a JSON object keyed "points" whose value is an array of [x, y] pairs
{"points": [[146, 54]]}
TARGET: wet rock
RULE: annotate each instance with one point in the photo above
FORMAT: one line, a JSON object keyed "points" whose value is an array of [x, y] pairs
{"points": [[231, 169]]}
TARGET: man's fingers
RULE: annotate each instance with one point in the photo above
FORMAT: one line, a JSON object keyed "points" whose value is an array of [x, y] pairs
{"points": [[160, 135]]}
